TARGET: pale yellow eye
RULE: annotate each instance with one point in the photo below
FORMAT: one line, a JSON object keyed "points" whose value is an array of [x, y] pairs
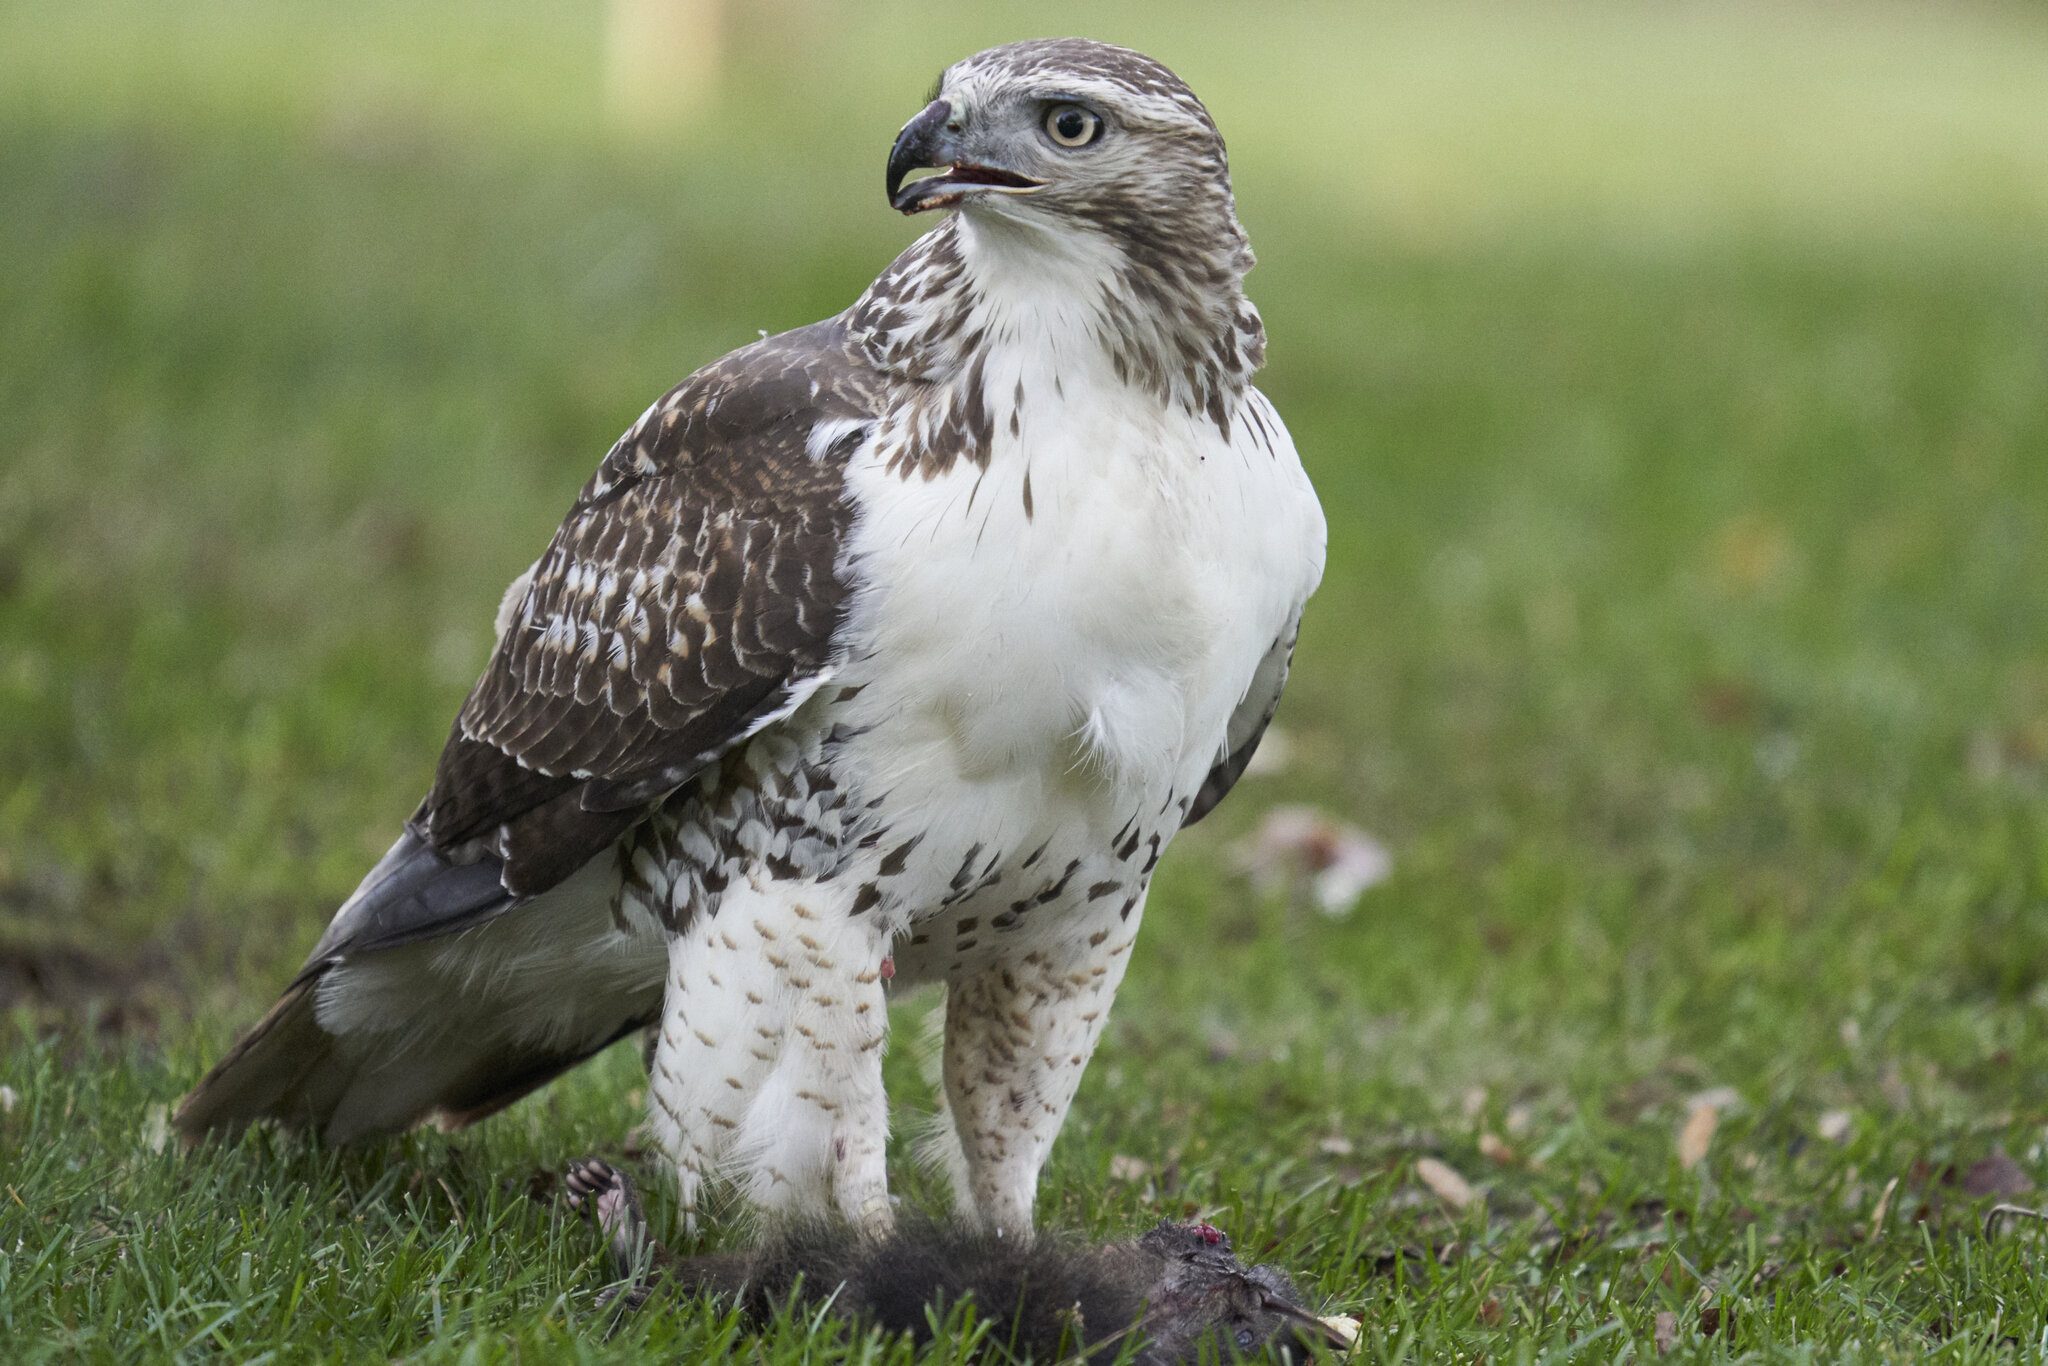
{"points": [[1070, 125]]}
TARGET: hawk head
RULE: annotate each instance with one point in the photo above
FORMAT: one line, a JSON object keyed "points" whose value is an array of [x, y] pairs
{"points": [[1064, 133]]}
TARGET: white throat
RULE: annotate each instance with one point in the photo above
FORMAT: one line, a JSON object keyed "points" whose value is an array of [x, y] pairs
{"points": [[1037, 277]]}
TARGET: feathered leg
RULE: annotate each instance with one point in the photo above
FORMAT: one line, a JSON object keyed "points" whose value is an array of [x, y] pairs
{"points": [[769, 1064], [1017, 1039]]}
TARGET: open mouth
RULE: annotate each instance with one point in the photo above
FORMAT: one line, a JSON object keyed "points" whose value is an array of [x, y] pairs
{"points": [[951, 185]]}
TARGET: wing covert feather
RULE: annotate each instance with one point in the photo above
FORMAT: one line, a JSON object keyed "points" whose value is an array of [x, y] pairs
{"points": [[692, 591]]}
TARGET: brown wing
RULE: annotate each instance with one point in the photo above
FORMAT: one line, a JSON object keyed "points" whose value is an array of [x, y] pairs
{"points": [[690, 596]]}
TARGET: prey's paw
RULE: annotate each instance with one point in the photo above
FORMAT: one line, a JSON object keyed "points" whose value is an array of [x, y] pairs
{"points": [[604, 1196]]}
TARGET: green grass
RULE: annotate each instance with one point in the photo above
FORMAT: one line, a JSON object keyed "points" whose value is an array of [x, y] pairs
{"points": [[1676, 382]]}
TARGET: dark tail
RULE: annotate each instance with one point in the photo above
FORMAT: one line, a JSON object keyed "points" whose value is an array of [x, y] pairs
{"points": [[289, 1069], [281, 1068], [434, 994]]}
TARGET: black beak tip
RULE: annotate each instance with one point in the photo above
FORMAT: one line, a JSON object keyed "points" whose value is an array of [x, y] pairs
{"points": [[917, 145]]}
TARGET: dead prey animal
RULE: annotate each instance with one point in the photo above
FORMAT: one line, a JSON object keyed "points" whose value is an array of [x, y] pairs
{"points": [[1175, 1294]]}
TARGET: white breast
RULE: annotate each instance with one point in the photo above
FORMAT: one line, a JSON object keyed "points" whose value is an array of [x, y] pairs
{"points": [[1076, 620]]}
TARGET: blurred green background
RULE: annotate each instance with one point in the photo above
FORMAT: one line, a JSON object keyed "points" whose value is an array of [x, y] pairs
{"points": [[1675, 377]]}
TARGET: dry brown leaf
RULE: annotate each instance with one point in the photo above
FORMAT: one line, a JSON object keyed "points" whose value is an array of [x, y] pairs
{"points": [[1722, 1098], [1132, 1169], [1449, 1187], [1298, 846], [1696, 1135], [1996, 1174], [1667, 1331], [1494, 1148]]}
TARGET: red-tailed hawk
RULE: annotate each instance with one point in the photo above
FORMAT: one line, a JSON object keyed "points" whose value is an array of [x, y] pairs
{"points": [[896, 646]]}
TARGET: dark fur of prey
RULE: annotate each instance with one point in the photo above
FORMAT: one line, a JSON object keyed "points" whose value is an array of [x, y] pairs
{"points": [[1175, 1294]]}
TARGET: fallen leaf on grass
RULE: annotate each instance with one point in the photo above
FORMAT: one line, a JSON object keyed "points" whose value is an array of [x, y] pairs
{"points": [[1997, 754], [1666, 1336], [1494, 1148], [1132, 1169], [1297, 845], [1996, 1174], [1696, 1135], [1445, 1183]]}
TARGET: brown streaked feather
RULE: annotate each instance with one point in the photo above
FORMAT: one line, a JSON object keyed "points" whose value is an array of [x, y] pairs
{"points": [[690, 594]]}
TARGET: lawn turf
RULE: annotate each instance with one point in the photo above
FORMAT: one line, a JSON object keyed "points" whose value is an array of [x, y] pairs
{"points": [[1685, 638]]}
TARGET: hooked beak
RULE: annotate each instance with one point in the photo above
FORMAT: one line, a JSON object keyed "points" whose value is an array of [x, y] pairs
{"points": [[931, 140]]}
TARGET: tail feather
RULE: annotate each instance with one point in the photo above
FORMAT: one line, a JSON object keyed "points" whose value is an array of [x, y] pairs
{"points": [[289, 1069], [455, 1026], [281, 1068]]}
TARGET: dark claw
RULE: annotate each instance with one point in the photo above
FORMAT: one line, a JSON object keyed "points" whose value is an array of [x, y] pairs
{"points": [[589, 1176], [604, 1195]]}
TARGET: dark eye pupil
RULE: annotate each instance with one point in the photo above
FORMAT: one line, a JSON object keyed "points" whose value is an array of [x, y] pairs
{"points": [[1072, 124]]}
